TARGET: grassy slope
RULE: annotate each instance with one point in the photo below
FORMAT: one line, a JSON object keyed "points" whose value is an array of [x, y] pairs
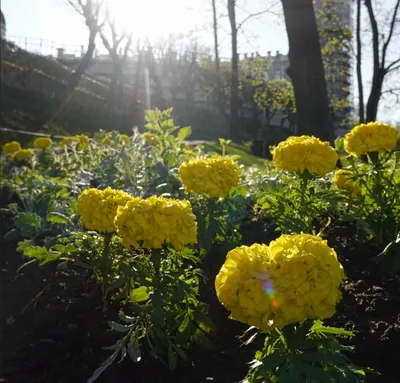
{"points": [[242, 150]]}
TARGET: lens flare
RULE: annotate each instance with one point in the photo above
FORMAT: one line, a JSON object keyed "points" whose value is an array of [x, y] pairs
{"points": [[268, 287]]}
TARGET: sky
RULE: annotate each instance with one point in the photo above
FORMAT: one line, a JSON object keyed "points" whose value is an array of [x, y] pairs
{"points": [[45, 25]]}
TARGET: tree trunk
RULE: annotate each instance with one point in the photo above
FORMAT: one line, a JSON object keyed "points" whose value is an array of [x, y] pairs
{"points": [[234, 109], [380, 69], [306, 70], [84, 64], [361, 112], [218, 92], [375, 95]]}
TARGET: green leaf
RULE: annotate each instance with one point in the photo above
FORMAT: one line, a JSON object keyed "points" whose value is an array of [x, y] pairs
{"points": [[320, 328], [272, 361], [134, 351], [108, 362], [330, 358], [37, 252], [139, 294], [119, 327], [184, 330], [171, 358], [123, 354], [290, 375], [183, 133], [28, 222], [23, 245], [250, 340], [313, 372], [203, 319], [179, 351], [58, 218]]}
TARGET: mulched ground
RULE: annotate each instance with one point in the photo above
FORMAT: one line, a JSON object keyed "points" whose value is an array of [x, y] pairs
{"points": [[53, 328]]}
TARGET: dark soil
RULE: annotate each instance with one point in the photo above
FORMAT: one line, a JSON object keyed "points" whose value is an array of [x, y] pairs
{"points": [[53, 329]]}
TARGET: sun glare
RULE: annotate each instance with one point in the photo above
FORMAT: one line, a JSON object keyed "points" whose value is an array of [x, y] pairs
{"points": [[154, 19]]}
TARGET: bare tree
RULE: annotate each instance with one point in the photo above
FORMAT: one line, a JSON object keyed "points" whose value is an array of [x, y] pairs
{"points": [[219, 91], [361, 110], [380, 46], [92, 11], [118, 45], [234, 109], [306, 70], [234, 86]]}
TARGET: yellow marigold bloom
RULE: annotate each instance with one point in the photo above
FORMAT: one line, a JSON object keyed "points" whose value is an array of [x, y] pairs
{"points": [[42, 143], [296, 277], [97, 208], [150, 138], [106, 140], [23, 155], [298, 154], [11, 147], [81, 140], [155, 221], [342, 181], [371, 137], [214, 176], [125, 138]]}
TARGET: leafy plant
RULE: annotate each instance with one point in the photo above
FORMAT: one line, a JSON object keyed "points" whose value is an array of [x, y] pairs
{"points": [[303, 352], [378, 213], [298, 203], [164, 309]]}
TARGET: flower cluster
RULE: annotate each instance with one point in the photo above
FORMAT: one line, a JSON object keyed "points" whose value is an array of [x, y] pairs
{"points": [[156, 221], [298, 154], [296, 277], [214, 176], [123, 137], [150, 139], [97, 208], [81, 140], [42, 143], [23, 155], [371, 137], [11, 147], [342, 180]]}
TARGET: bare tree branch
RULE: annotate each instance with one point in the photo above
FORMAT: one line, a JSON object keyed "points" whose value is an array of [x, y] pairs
{"points": [[391, 91], [256, 14], [392, 66], [392, 26]]}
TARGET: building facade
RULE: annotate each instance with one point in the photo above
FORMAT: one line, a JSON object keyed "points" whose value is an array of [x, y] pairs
{"points": [[335, 21], [3, 28]]}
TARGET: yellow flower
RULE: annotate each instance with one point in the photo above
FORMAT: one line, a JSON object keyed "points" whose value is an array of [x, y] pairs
{"points": [[23, 155], [11, 147], [154, 221], [342, 181], [296, 277], [298, 154], [124, 138], [42, 143], [97, 208], [150, 138], [371, 137], [81, 140], [214, 176]]}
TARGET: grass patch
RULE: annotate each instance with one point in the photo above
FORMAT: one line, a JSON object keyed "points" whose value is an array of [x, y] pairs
{"points": [[242, 150]]}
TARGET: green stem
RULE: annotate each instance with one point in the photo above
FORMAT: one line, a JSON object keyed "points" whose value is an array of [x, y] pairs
{"points": [[105, 270], [303, 209], [378, 192], [156, 297]]}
